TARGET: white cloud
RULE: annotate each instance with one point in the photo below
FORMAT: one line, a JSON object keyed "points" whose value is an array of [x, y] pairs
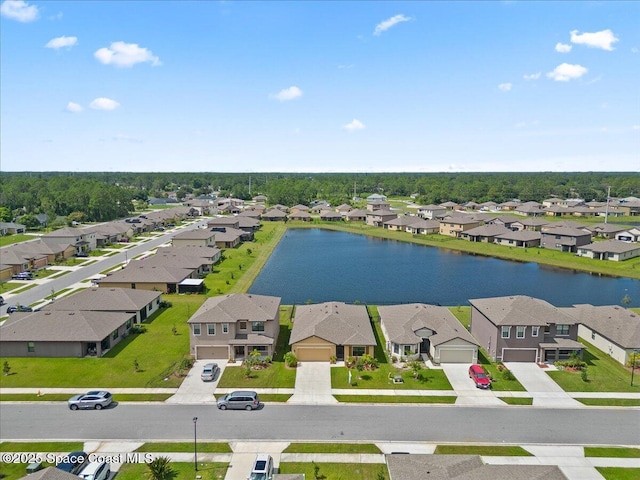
{"points": [[123, 137], [60, 42], [532, 76], [603, 39], [287, 94], [74, 107], [565, 72], [123, 54], [103, 103], [505, 87], [354, 125], [390, 22], [635, 127], [563, 47], [635, 50], [19, 10]]}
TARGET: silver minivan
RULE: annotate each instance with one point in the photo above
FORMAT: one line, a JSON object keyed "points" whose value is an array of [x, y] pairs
{"points": [[95, 471], [239, 400]]}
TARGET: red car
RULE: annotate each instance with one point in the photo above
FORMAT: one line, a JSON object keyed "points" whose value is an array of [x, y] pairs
{"points": [[479, 376]]}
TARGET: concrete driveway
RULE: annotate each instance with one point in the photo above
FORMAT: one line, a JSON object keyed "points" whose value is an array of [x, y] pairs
{"points": [[194, 390], [545, 392], [468, 394], [313, 384]]}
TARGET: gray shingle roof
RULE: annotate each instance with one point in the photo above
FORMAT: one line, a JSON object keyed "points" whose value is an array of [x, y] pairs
{"points": [[195, 234], [335, 322], [105, 299], [136, 271], [520, 310], [464, 467], [521, 235], [614, 246], [401, 321], [61, 326], [620, 325], [50, 473], [232, 307]]}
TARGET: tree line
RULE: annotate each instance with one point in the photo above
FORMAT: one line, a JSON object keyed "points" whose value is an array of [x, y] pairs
{"points": [[102, 196]]}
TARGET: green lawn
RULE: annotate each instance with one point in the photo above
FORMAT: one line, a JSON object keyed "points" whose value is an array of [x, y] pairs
{"points": [[63, 397], [619, 473], [15, 471], [275, 376], [158, 353], [337, 471], [181, 470], [379, 379], [6, 287], [486, 450], [7, 240], [604, 373], [396, 398], [332, 448], [175, 447], [463, 314], [517, 400], [612, 452], [43, 447], [610, 402], [275, 397]]}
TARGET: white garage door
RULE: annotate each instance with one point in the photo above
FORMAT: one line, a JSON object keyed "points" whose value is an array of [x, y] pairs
{"points": [[456, 355]]}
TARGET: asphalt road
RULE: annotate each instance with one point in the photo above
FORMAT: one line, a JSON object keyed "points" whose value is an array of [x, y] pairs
{"points": [[419, 423], [41, 291]]}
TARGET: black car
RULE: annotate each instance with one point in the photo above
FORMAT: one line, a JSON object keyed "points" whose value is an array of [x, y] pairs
{"points": [[72, 462], [18, 308]]}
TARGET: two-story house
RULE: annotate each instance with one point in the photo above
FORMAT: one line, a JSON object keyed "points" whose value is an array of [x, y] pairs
{"points": [[523, 329], [232, 326]]}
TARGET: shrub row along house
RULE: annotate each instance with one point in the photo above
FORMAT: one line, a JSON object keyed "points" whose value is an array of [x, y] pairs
{"points": [[514, 328]]}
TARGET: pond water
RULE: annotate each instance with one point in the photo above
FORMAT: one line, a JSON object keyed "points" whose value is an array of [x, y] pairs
{"points": [[322, 265]]}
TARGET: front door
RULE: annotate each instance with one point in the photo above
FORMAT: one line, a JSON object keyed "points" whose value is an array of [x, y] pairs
{"points": [[340, 352], [239, 352]]}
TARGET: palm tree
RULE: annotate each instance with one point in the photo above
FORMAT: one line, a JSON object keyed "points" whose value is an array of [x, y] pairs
{"points": [[160, 469]]}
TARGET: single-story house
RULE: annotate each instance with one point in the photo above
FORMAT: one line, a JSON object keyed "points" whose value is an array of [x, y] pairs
{"points": [[300, 216], [414, 329], [137, 275], [464, 467], [331, 329], [356, 215], [424, 227], [299, 208], [275, 215], [400, 223], [531, 224], [11, 228], [199, 236], [612, 329], [484, 233], [520, 238], [330, 216], [605, 230], [524, 329], [613, 250], [631, 235], [376, 197], [139, 303], [232, 326], [231, 237], [63, 333]]}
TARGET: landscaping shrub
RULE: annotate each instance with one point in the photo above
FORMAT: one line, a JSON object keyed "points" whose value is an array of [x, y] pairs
{"points": [[290, 360], [507, 375]]}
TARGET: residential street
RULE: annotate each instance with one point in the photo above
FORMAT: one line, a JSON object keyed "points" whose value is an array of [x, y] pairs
{"points": [[417, 423]]}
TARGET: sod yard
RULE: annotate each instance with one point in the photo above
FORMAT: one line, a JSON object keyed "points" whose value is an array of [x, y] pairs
{"points": [[337, 471], [603, 372], [181, 471]]}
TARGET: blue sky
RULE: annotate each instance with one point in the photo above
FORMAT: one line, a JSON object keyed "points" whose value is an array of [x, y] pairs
{"points": [[319, 86]]}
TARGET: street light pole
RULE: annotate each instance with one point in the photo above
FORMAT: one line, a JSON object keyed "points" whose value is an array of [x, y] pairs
{"points": [[195, 443]]}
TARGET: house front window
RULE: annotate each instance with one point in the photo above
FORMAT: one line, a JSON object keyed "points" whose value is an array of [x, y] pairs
{"points": [[31, 347], [562, 329], [211, 328], [196, 329], [225, 328], [114, 335], [506, 332], [128, 324], [408, 350], [520, 332], [534, 331], [358, 351], [396, 348], [257, 326]]}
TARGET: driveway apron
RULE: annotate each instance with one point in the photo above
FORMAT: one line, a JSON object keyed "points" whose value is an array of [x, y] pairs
{"points": [[313, 384], [466, 391], [545, 392], [193, 389]]}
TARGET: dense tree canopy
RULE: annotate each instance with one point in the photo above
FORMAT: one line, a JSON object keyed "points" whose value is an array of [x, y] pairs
{"points": [[109, 195]]}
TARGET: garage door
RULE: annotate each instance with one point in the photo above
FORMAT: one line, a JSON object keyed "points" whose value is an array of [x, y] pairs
{"points": [[313, 354], [518, 355], [456, 355], [203, 353]]}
